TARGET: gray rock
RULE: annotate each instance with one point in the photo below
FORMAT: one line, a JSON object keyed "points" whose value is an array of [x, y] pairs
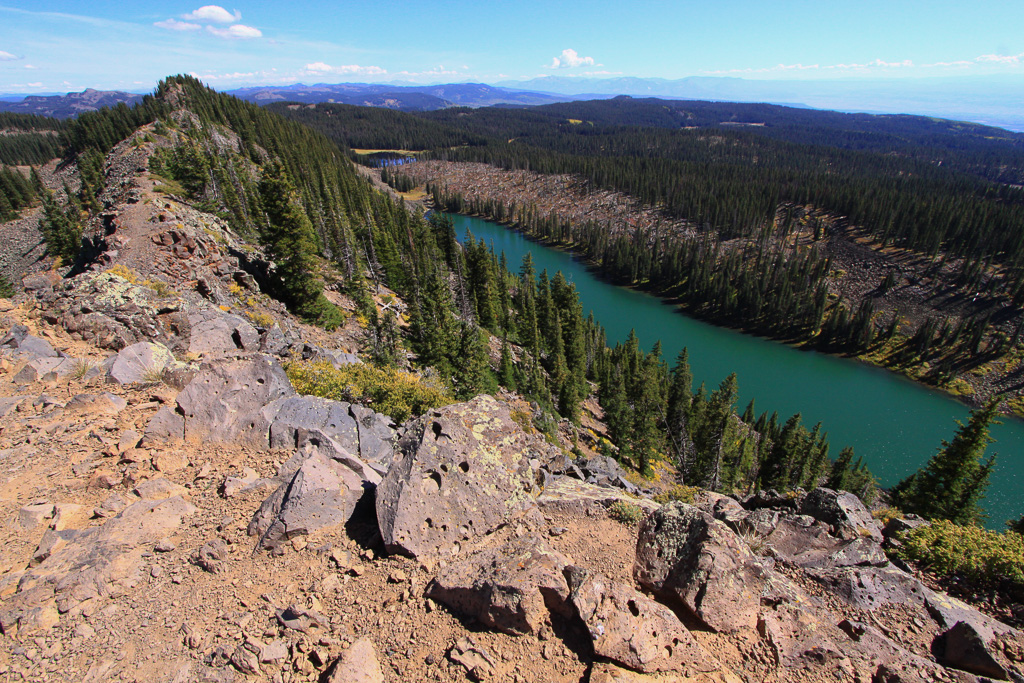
{"points": [[842, 510], [216, 334], [96, 404], [165, 427], [297, 420], [511, 588], [629, 628], [29, 345], [460, 472], [141, 362], [376, 435], [38, 368], [274, 342], [223, 403], [569, 495], [322, 494], [686, 553], [806, 542], [963, 647]]}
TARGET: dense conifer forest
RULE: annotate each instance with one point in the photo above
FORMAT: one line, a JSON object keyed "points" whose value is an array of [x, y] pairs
{"points": [[294, 190]]}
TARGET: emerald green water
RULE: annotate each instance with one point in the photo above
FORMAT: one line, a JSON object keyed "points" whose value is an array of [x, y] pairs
{"points": [[895, 424]]}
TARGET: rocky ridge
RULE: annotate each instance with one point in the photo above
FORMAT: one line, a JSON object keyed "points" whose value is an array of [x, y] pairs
{"points": [[176, 512]]}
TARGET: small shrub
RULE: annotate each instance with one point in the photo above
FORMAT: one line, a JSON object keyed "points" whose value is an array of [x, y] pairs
{"points": [[988, 558], [260, 319], [680, 492], [124, 272], [161, 288], [629, 514], [887, 513], [81, 368], [6, 288], [235, 289], [395, 393], [524, 420]]}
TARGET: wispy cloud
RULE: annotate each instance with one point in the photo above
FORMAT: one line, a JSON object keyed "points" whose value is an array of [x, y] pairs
{"points": [[570, 59], [213, 13], [175, 25], [238, 31], [7, 57], [322, 69]]}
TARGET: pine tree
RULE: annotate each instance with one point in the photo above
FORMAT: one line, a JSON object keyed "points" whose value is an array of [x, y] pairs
{"points": [[289, 236], [951, 485]]}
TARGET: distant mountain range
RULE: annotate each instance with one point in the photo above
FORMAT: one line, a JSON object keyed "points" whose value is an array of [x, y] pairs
{"points": [[72, 104], [991, 100], [402, 97]]}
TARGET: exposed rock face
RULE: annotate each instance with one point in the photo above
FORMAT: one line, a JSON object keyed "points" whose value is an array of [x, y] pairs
{"points": [[224, 401], [214, 333], [844, 511], [459, 473], [511, 588], [142, 362], [73, 566], [633, 630], [685, 552], [321, 494]]}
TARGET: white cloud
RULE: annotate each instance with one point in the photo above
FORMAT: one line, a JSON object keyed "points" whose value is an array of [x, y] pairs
{"points": [[214, 13], [31, 66], [7, 56], [320, 68], [240, 31], [570, 59], [175, 25]]}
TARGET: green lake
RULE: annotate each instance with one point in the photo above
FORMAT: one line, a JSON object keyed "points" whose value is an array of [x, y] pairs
{"points": [[894, 423]]}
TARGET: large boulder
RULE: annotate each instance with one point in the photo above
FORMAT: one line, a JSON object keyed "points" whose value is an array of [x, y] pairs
{"points": [[459, 472], [629, 628], [511, 588], [844, 511], [214, 333], [223, 403], [807, 542], [685, 553], [142, 362], [320, 495]]}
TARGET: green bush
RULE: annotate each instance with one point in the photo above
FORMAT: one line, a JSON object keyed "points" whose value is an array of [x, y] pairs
{"points": [[988, 558], [398, 394], [6, 288], [629, 514]]}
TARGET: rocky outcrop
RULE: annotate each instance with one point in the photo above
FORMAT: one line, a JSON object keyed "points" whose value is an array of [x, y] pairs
{"points": [[224, 401], [633, 630], [141, 362], [685, 553], [458, 473], [316, 493], [511, 588]]}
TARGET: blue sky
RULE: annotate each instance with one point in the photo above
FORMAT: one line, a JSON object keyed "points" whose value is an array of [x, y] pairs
{"points": [[59, 46]]}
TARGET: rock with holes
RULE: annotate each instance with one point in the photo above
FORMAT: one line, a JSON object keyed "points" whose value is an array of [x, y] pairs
{"points": [[321, 494], [142, 362], [459, 472], [685, 553], [224, 402], [629, 628], [214, 333], [511, 588]]}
